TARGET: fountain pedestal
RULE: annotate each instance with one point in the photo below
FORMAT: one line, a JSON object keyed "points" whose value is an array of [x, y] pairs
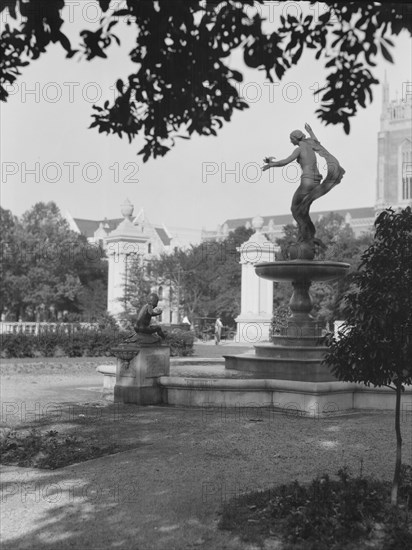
{"points": [[297, 353], [139, 366]]}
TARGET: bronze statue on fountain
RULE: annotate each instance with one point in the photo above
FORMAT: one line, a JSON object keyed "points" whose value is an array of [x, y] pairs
{"points": [[311, 188], [301, 268]]}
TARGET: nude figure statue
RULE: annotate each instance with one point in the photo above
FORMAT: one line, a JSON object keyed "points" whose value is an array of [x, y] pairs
{"points": [[311, 185], [144, 330]]}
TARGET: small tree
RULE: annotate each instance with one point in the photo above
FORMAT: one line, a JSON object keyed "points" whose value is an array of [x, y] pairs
{"points": [[376, 341], [137, 287]]}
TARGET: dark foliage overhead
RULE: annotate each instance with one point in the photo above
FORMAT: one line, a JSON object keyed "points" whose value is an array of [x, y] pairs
{"points": [[183, 84]]}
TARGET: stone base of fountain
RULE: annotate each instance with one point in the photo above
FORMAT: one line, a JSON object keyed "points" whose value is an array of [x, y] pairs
{"points": [[284, 362], [233, 398], [138, 369]]}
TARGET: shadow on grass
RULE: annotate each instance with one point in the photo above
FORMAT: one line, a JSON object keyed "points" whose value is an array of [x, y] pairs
{"points": [[66, 506], [345, 513], [66, 512]]}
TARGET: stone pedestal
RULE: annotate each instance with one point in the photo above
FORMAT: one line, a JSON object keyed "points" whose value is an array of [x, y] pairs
{"points": [[297, 353], [137, 372]]}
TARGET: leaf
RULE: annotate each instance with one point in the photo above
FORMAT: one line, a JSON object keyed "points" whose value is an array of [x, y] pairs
{"points": [[64, 41], [361, 98], [346, 126], [236, 75], [121, 13], [297, 55], [280, 71], [385, 53], [388, 41]]}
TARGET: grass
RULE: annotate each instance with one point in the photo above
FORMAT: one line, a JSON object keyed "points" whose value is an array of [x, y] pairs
{"points": [[341, 514]]}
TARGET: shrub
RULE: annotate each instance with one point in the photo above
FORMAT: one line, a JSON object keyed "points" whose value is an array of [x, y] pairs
{"points": [[90, 343], [180, 342], [83, 343], [49, 449], [107, 321], [17, 345], [325, 514]]}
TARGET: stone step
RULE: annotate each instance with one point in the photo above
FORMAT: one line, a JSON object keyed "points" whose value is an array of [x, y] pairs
{"points": [[310, 370], [292, 352], [298, 341]]}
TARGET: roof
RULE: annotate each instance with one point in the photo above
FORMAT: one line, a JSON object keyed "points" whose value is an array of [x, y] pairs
{"points": [[284, 219], [164, 237], [88, 227]]}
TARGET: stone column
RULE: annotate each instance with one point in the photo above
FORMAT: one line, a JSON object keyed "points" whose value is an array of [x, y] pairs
{"points": [[122, 246], [256, 313]]}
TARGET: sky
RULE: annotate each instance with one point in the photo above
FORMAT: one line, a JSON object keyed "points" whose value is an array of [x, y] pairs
{"points": [[49, 154]]}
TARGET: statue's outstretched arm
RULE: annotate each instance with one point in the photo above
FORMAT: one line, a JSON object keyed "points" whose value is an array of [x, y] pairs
{"points": [[283, 162], [310, 131]]}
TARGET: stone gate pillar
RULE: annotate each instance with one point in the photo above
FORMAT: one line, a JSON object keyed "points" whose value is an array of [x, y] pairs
{"points": [[122, 246], [255, 317]]}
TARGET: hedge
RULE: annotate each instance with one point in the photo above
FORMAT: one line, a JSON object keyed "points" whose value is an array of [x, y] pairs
{"points": [[82, 343]]}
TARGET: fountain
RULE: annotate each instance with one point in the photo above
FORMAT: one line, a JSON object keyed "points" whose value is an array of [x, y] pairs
{"points": [[297, 352], [286, 373]]}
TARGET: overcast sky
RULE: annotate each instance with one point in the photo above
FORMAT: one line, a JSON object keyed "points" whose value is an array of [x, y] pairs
{"points": [[201, 182]]}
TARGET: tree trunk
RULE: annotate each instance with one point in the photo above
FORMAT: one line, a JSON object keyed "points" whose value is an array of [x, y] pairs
{"points": [[398, 463]]}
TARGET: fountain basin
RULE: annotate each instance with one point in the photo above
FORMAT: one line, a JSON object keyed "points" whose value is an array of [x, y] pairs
{"points": [[301, 270]]}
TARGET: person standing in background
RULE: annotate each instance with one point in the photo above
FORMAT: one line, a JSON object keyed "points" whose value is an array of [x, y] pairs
{"points": [[218, 330]]}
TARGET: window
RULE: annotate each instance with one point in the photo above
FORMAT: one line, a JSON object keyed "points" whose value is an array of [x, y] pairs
{"points": [[407, 175], [160, 293], [405, 170], [149, 248]]}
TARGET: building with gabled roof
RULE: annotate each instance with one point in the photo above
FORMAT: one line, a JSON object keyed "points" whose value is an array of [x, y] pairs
{"points": [[160, 238]]}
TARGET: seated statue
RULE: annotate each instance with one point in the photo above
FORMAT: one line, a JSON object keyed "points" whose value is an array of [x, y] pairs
{"points": [[144, 331]]}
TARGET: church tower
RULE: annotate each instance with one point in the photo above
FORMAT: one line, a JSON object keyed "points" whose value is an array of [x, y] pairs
{"points": [[394, 180]]}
